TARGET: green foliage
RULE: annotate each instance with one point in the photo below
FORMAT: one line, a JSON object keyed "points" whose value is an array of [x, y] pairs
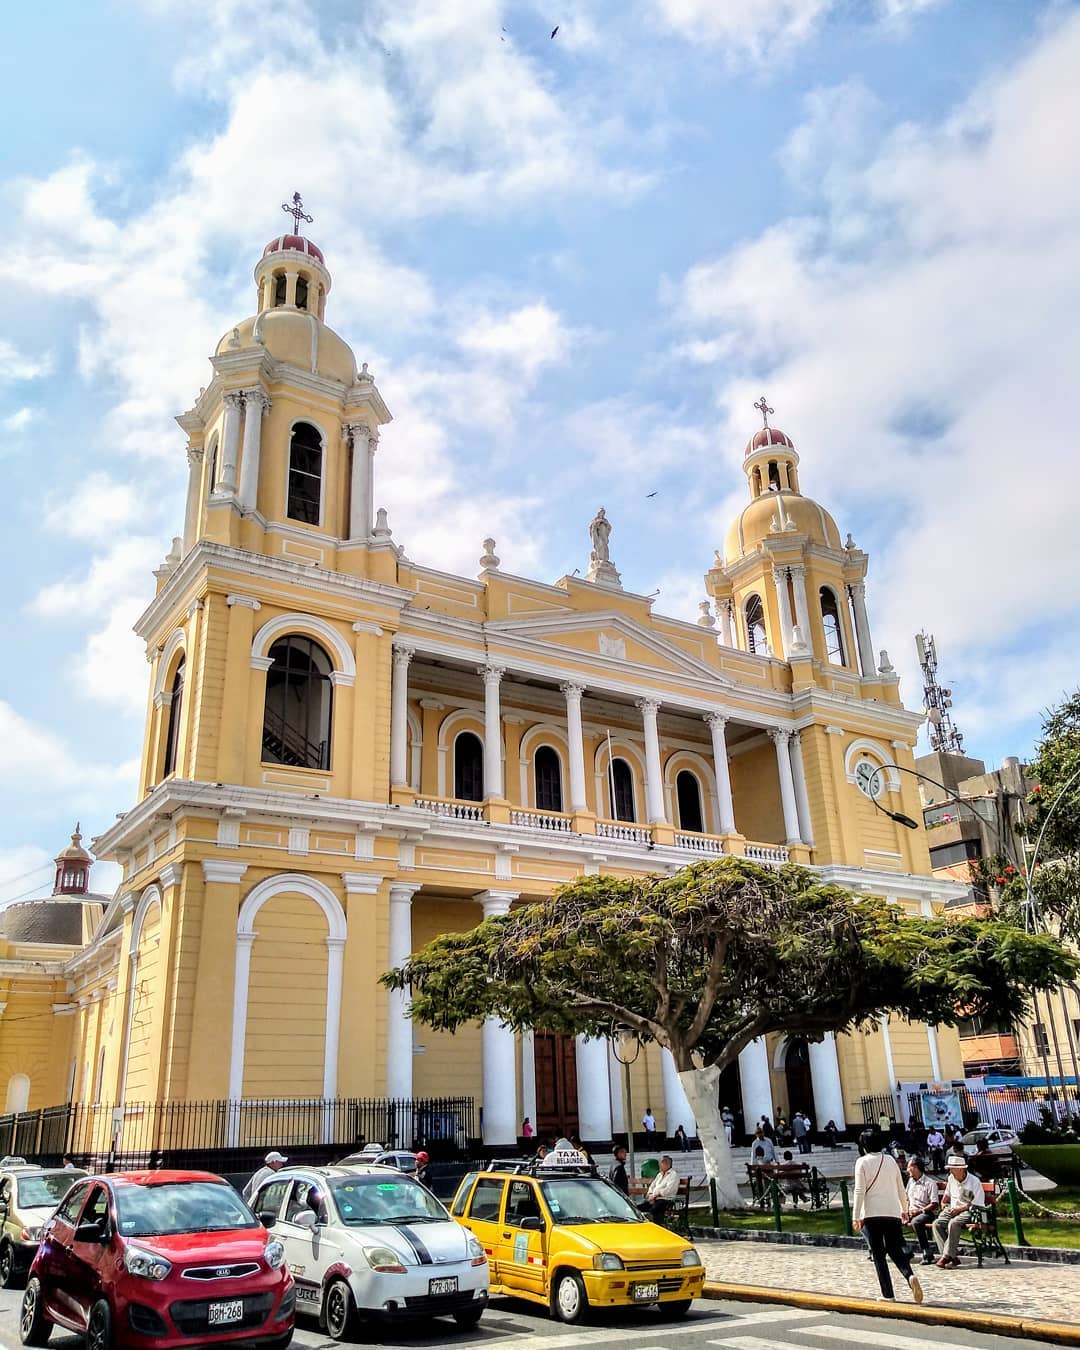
{"points": [[1058, 758], [724, 951], [1059, 1162]]}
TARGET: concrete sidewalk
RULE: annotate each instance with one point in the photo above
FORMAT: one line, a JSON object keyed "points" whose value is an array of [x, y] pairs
{"points": [[1050, 1292]]}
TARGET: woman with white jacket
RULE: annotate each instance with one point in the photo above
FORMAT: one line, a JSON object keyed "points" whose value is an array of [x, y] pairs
{"points": [[881, 1208]]}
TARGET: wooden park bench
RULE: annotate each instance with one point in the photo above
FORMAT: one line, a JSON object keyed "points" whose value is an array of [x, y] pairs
{"points": [[792, 1178], [677, 1217], [980, 1235]]}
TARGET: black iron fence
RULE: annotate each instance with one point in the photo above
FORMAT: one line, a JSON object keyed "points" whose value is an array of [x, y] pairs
{"points": [[1011, 1107], [233, 1136]]}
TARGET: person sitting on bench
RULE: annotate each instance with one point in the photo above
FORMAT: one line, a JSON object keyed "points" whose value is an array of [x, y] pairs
{"points": [[662, 1191]]}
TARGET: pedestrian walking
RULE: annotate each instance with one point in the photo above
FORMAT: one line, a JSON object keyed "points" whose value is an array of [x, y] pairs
{"points": [[881, 1209], [617, 1175], [802, 1127], [922, 1194], [272, 1163], [961, 1192], [527, 1130], [648, 1122], [728, 1119], [935, 1143]]}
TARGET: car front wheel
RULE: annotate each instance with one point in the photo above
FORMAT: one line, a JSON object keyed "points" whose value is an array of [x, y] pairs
{"points": [[99, 1327], [339, 1310], [34, 1327], [676, 1308], [9, 1272], [569, 1300], [468, 1317]]}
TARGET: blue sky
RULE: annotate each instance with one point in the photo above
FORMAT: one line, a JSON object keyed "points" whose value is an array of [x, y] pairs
{"points": [[572, 264]]}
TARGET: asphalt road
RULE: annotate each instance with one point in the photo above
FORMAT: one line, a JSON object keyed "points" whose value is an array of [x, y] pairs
{"points": [[742, 1326]]}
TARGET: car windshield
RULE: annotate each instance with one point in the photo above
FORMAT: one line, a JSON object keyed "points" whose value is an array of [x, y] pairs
{"points": [[363, 1200], [47, 1190], [587, 1200], [181, 1207]]}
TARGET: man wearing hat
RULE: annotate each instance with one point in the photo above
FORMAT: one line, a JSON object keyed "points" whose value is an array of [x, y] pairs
{"points": [[961, 1192], [273, 1161]]}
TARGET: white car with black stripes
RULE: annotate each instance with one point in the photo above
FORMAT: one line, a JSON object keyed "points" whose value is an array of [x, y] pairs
{"points": [[366, 1242]]}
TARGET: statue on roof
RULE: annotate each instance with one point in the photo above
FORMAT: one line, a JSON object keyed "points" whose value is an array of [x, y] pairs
{"points": [[601, 569]]}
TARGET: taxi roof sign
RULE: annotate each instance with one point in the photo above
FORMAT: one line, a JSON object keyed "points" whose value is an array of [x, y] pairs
{"points": [[564, 1157]]}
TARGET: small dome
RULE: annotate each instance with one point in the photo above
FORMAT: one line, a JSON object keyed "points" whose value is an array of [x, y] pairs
{"points": [[295, 338], [74, 850], [755, 521], [767, 436], [297, 243]]}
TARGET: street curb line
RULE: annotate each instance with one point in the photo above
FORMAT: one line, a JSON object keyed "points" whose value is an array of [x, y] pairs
{"points": [[1028, 1328]]}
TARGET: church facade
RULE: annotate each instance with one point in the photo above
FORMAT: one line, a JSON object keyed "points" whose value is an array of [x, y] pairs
{"points": [[348, 752]]}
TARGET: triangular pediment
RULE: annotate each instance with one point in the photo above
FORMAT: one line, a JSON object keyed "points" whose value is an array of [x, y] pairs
{"points": [[609, 638]]}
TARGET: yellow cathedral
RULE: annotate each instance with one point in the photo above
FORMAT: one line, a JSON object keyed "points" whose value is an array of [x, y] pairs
{"points": [[348, 752]]}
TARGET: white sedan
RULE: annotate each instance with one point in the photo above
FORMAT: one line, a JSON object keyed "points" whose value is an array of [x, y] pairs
{"points": [[1000, 1141], [365, 1242]]}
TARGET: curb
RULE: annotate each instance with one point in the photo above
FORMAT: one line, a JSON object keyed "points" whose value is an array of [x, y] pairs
{"points": [[1066, 1256], [1027, 1328]]}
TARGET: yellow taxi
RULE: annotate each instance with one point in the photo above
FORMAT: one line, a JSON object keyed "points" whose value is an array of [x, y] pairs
{"points": [[561, 1236]]}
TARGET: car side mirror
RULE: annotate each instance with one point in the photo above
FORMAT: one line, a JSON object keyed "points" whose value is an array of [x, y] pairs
{"points": [[267, 1219], [306, 1219], [93, 1232], [533, 1224]]}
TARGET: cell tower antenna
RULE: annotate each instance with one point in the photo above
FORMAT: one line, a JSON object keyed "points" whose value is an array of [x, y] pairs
{"points": [[944, 736]]}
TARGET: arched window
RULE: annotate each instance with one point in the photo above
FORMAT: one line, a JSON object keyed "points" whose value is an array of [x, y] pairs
{"points": [[834, 633], [688, 795], [774, 476], [301, 292], [755, 626], [176, 705], [547, 773], [622, 790], [280, 284], [305, 474], [756, 481], [211, 478], [18, 1094], [296, 719], [468, 768]]}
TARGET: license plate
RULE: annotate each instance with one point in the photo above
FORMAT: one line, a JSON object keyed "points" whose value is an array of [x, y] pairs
{"points": [[447, 1285], [221, 1313], [646, 1293]]}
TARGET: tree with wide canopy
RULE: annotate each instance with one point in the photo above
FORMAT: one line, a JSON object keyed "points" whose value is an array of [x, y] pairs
{"points": [[706, 960]]}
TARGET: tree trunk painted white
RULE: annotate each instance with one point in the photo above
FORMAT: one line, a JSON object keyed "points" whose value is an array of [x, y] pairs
{"points": [[700, 1086]]}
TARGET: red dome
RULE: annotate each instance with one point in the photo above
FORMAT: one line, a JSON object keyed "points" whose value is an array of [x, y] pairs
{"points": [[767, 436], [296, 242]]}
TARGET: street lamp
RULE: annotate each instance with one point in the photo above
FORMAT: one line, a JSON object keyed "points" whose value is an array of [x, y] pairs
{"points": [[1030, 905], [626, 1046]]}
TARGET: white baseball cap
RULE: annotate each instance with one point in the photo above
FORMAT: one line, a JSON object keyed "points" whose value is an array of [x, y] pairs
{"points": [[275, 1157]]}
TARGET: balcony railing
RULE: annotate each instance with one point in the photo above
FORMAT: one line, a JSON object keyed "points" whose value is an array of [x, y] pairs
{"points": [[452, 810], [699, 843], [553, 821], [766, 853], [627, 834]]}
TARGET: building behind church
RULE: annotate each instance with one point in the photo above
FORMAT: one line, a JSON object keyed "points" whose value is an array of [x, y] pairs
{"points": [[348, 752]]}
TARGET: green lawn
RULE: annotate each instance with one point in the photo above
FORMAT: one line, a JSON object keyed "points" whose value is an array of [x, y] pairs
{"points": [[1039, 1231]]}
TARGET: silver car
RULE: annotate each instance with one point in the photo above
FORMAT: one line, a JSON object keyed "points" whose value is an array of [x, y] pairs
{"points": [[363, 1242]]}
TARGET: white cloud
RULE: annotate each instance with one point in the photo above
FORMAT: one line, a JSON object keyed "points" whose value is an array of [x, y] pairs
{"points": [[16, 366], [38, 760], [924, 363], [19, 420], [530, 338], [95, 509], [121, 570]]}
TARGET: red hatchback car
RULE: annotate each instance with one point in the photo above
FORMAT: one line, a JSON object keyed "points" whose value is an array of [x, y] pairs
{"points": [[158, 1259]]}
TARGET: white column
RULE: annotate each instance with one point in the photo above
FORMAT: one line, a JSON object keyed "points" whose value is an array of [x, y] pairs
{"points": [[230, 444], [890, 1066], [802, 612], [370, 447], [528, 1077], [616, 1074], [497, 1053], [787, 786], [593, 1089], [825, 1076], [256, 405], [573, 694], [725, 623], [935, 1058], [191, 508], [335, 958], [360, 487], [399, 1027], [755, 1082], [717, 723], [493, 747], [780, 581], [676, 1107], [399, 717], [654, 783], [862, 630], [802, 799]]}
